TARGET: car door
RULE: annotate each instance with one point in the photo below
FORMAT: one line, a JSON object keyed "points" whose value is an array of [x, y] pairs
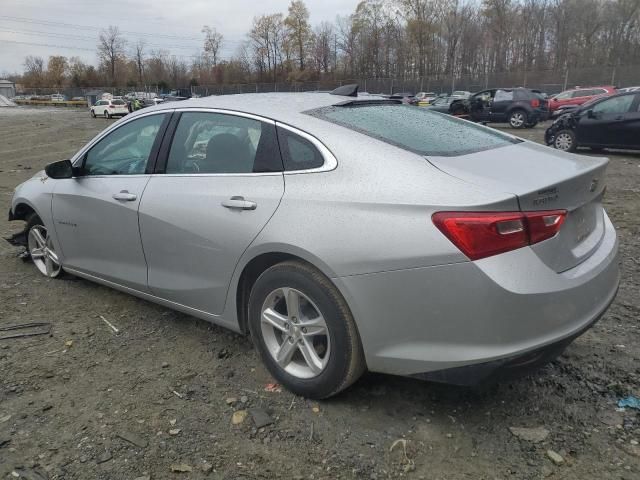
{"points": [[630, 126], [96, 213], [502, 100], [219, 183], [480, 105], [603, 124]]}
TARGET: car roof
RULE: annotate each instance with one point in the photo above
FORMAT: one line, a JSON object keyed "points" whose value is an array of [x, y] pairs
{"points": [[282, 107]]}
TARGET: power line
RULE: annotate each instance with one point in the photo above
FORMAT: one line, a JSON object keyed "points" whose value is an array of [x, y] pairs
{"points": [[48, 45], [86, 27], [82, 37]]}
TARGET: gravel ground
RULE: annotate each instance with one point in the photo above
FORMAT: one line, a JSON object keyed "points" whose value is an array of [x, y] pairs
{"points": [[84, 403]]}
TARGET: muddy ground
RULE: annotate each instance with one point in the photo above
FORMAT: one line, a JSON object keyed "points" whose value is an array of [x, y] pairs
{"points": [[84, 403]]}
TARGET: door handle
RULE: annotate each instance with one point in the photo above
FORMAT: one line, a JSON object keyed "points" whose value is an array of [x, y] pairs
{"points": [[239, 203], [125, 196]]}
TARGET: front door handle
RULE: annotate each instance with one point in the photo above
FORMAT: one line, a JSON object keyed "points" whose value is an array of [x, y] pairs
{"points": [[125, 196], [239, 203]]}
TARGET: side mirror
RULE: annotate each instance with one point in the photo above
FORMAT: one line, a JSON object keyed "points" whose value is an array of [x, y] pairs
{"points": [[61, 169], [590, 114]]}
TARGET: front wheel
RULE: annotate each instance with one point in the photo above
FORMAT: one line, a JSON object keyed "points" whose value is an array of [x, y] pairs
{"points": [[107, 114], [41, 248], [304, 331], [518, 119], [93, 114], [565, 140]]}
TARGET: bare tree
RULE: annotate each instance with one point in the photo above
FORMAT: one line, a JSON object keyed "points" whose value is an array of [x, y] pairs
{"points": [[297, 23], [111, 46], [33, 70], [212, 44], [139, 59]]}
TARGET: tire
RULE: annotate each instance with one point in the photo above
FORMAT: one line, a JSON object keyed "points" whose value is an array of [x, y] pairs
{"points": [[517, 118], [343, 360], [531, 125], [45, 260], [565, 140], [457, 109], [107, 114], [93, 113]]}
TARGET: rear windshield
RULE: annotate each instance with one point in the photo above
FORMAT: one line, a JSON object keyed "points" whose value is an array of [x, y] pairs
{"points": [[117, 102], [415, 129]]}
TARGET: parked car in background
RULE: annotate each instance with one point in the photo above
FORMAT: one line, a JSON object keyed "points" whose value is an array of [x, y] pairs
{"points": [[424, 98], [441, 104], [608, 122], [629, 89], [576, 97], [57, 97], [404, 97], [461, 94], [519, 107], [109, 108]]}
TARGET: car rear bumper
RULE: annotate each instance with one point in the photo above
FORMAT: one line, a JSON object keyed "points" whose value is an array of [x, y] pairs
{"points": [[486, 313]]}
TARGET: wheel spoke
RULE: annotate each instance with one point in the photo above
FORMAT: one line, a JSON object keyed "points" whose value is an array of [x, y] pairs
{"points": [[274, 319], [292, 297], [285, 352], [314, 326], [37, 253], [310, 355], [48, 263], [38, 237]]}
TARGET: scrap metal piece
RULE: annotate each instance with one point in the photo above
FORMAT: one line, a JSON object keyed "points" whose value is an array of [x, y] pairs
{"points": [[41, 328]]}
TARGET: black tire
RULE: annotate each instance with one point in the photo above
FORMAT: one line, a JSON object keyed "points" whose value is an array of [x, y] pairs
{"points": [[531, 125], [93, 113], [107, 114], [565, 140], [346, 359], [518, 118], [457, 109]]}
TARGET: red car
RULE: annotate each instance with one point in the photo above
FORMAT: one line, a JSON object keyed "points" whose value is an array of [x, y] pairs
{"points": [[578, 96]]}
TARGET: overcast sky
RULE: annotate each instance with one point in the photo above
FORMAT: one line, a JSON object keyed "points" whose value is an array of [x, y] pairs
{"points": [[37, 27]]}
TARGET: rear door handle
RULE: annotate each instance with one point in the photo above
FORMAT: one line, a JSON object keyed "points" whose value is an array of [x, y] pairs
{"points": [[239, 203], [125, 196]]}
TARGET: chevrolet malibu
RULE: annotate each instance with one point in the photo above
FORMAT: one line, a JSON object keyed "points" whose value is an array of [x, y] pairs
{"points": [[343, 233]]}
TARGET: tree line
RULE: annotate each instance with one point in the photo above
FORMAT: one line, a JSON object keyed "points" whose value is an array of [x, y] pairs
{"points": [[380, 39]]}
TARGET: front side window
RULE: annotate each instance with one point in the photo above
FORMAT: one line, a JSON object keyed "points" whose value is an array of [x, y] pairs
{"points": [[415, 129], [126, 150], [614, 105], [222, 143], [564, 96]]}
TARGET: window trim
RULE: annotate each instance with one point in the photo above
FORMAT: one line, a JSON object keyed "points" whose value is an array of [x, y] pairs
{"points": [[330, 161], [78, 158]]}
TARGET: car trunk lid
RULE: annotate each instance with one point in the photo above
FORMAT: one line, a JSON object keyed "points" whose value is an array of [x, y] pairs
{"points": [[543, 179]]}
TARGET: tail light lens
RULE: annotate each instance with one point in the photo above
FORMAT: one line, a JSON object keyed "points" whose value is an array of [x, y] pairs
{"points": [[535, 103], [483, 234], [112, 106]]}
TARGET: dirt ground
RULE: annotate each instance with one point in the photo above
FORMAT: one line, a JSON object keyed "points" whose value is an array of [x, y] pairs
{"points": [[85, 403]]}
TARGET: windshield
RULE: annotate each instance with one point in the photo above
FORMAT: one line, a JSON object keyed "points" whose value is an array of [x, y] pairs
{"points": [[415, 129]]}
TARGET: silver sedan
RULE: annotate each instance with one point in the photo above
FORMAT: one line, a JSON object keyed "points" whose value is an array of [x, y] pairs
{"points": [[342, 232]]}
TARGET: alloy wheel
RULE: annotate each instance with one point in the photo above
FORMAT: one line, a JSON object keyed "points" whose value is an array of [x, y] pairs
{"points": [[295, 333], [42, 253], [517, 119], [563, 142]]}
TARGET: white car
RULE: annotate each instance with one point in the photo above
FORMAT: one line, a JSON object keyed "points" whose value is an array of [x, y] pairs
{"points": [[56, 97], [109, 108]]}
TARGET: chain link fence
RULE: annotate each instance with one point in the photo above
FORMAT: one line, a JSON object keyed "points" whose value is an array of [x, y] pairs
{"points": [[549, 81]]}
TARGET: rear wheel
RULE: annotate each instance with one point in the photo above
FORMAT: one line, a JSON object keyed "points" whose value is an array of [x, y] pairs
{"points": [[41, 248], [93, 113], [107, 114], [531, 124], [565, 140], [303, 330], [518, 118]]}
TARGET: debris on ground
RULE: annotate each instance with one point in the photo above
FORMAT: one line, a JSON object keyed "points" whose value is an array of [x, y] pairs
{"points": [[534, 435], [32, 329], [181, 468], [629, 402], [260, 417], [273, 388], [110, 325], [238, 417], [555, 457], [134, 439]]}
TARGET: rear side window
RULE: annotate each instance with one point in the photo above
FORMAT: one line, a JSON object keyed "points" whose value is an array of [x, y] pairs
{"points": [[415, 129], [222, 143], [615, 105], [298, 153], [503, 96]]}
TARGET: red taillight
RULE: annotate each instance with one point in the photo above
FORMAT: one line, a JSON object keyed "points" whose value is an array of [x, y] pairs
{"points": [[112, 106], [483, 234], [535, 103]]}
